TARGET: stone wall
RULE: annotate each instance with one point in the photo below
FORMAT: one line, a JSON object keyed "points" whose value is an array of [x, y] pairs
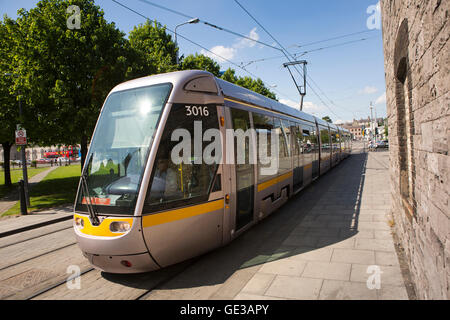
{"points": [[417, 61]]}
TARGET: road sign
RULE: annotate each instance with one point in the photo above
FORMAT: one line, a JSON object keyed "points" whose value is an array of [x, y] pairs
{"points": [[21, 137]]}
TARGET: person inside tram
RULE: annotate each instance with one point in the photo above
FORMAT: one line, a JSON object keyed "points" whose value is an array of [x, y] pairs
{"points": [[164, 180]]}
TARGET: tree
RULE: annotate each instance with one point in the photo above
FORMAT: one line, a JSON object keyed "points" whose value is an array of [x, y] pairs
{"points": [[67, 73], [200, 62], [327, 119], [9, 113], [257, 86], [153, 49]]}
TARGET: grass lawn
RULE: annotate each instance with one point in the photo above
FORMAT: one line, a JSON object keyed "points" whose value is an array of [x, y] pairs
{"points": [[16, 175], [59, 187]]}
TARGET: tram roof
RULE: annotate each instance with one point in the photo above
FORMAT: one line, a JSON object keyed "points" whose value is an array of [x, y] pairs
{"points": [[181, 78]]}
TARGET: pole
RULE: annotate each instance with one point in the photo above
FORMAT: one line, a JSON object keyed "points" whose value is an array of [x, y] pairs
{"points": [[176, 44], [372, 125], [23, 202], [195, 20], [24, 160]]}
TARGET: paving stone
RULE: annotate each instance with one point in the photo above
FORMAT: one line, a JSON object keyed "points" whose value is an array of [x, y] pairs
{"points": [[386, 258], [301, 240], [295, 288], [353, 256], [390, 275], [327, 270], [249, 296], [287, 267], [312, 254], [367, 233], [345, 290], [388, 292], [259, 283], [383, 234], [336, 242], [375, 244]]}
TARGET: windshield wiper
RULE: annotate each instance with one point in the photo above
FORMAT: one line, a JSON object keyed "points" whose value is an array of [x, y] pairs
{"points": [[93, 215]]}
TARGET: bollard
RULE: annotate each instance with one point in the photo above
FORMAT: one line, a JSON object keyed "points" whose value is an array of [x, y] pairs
{"points": [[23, 202]]}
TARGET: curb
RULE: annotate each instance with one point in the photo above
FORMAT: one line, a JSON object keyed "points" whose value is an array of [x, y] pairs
{"points": [[34, 226]]}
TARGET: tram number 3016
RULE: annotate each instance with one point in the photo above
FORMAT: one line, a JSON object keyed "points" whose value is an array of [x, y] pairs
{"points": [[197, 111]]}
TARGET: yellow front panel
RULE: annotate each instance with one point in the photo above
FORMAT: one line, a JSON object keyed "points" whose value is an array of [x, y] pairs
{"points": [[103, 229]]}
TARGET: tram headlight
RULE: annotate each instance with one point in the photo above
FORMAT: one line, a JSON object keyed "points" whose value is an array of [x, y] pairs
{"points": [[79, 222], [119, 226]]}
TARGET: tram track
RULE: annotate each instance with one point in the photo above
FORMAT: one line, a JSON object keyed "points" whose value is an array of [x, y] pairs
{"points": [[57, 284], [33, 237], [122, 286]]}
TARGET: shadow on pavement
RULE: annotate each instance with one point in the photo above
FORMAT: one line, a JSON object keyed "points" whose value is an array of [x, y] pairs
{"points": [[323, 214]]}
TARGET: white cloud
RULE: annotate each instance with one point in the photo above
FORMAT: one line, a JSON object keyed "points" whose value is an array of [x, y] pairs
{"points": [[246, 42], [310, 107], [381, 99], [368, 90], [230, 52], [290, 103], [220, 51]]}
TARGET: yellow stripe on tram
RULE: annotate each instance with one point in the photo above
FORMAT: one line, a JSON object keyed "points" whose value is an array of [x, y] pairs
{"points": [[183, 213], [267, 184]]}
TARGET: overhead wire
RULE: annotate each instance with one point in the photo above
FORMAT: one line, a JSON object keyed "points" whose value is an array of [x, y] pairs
{"points": [[331, 39], [204, 48], [209, 24], [243, 65], [299, 54], [286, 53], [283, 50]]}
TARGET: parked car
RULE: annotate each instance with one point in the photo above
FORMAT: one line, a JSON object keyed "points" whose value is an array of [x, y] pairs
{"points": [[381, 145], [43, 160]]}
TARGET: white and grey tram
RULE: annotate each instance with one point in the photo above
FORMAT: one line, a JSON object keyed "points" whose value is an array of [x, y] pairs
{"points": [[137, 209]]}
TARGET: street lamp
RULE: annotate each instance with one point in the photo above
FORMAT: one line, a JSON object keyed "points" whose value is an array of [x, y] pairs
{"points": [[195, 20], [23, 156]]}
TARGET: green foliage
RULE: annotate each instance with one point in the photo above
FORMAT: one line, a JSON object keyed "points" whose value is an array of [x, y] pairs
{"points": [[327, 119], [249, 83], [200, 62], [153, 50], [66, 74]]}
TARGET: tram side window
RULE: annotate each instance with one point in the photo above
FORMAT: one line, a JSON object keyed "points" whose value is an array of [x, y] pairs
{"points": [[175, 184], [295, 136], [283, 144], [325, 139], [263, 126], [334, 141]]}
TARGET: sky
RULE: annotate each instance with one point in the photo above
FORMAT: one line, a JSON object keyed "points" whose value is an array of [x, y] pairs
{"points": [[346, 74]]}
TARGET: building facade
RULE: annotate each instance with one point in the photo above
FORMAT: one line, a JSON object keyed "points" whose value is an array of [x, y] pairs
{"points": [[417, 60]]}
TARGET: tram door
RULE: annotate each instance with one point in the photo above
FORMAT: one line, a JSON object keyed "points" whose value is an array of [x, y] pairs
{"points": [[244, 167]]}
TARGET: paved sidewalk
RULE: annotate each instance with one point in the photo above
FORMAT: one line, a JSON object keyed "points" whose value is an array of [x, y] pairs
{"points": [[341, 243], [11, 223], [326, 243]]}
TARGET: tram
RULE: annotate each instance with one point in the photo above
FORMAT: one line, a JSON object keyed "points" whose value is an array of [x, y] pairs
{"points": [[182, 163]]}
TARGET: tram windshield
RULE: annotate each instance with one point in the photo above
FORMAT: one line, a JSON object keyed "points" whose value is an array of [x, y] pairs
{"points": [[120, 147]]}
